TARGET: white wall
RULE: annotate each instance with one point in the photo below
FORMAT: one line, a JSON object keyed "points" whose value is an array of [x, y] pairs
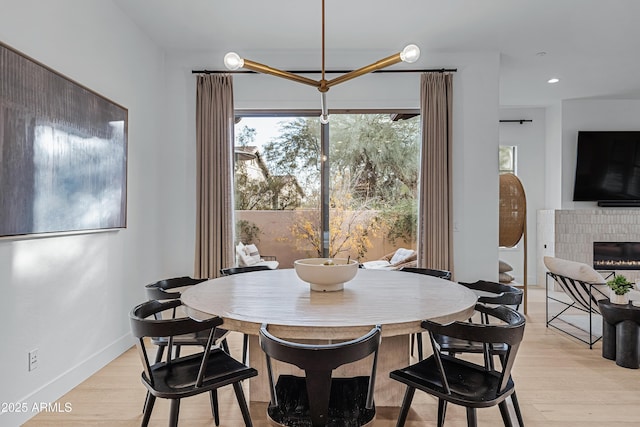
{"points": [[591, 115], [69, 296], [475, 131], [529, 138]]}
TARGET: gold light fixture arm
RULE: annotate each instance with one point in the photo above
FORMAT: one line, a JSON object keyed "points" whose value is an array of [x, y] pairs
{"points": [[261, 68], [383, 63]]}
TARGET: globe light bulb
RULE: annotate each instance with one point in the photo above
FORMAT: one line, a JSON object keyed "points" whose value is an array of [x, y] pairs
{"points": [[410, 54], [233, 61]]}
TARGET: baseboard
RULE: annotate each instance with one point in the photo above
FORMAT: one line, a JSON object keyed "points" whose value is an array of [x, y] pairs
{"points": [[49, 394]]}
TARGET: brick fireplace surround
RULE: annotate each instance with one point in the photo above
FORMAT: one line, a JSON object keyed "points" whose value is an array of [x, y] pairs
{"points": [[570, 233]]}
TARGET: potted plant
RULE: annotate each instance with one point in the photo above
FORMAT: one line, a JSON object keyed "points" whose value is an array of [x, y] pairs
{"points": [[620, 288]]}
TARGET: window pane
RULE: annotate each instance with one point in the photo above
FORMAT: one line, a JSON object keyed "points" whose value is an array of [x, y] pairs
{"points": [[373, 183], [277, 185], [507, 159]]}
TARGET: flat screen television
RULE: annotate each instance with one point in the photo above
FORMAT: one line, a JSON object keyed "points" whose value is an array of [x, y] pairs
{"points": [[608, 168]]}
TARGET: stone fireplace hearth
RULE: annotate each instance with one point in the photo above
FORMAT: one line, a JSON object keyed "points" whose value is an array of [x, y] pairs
{"points": [[571, 234]]}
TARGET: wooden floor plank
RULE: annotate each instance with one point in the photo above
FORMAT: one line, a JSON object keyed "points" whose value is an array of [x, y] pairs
{"points": [[559, 381]]}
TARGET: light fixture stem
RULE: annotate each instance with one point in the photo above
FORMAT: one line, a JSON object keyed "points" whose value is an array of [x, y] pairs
{"points": [[322, 78], [323, 104]]}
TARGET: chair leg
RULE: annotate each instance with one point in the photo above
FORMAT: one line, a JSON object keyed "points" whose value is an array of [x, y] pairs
{"points": [[237, 387], [245, 349], [175, 411], [504, 411], [413, 341], [442, 411], [406, 404], [146, 402], [225, 346], [419, 340], [516, 408], [148, 407], [214, 406], [472, 420]]}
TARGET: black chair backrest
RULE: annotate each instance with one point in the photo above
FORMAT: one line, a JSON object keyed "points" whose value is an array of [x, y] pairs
{"points": [[441, 274], [508, 330], [162, 289], [145, 323], [318, 361], [496, 293], [239, 270]]}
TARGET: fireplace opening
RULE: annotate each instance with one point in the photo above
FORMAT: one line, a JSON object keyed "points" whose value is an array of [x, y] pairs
{"points": [[616, 255]]}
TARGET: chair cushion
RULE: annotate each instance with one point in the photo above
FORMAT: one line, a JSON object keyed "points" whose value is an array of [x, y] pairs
{"points": [[574, 270], [244, 260], [252, 251], [401, 255]]}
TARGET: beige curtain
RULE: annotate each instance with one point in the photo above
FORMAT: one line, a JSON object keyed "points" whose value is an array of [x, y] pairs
{"points": [[435, 224], [215, 142]]}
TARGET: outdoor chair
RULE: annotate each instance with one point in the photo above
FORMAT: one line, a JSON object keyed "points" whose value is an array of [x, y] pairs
{"points": [[394, 261], [249, 256], [180, 377], [462, 382], [583, 287], [318, 399]]}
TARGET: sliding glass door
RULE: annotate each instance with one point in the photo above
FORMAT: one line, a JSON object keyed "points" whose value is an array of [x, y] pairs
{"points": [[345, 189]]}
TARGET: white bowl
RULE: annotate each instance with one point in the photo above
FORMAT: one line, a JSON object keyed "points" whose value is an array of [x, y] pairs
{"points": [[323, 277]]}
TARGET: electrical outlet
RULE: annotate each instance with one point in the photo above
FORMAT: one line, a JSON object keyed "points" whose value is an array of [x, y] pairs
{"points": [[33, 359]]}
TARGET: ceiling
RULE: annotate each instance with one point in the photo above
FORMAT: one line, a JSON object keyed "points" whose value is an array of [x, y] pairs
{"points": [[592, 46]]}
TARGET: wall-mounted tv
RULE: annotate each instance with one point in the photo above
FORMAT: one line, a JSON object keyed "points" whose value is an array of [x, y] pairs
{"points": [[608, 168]]}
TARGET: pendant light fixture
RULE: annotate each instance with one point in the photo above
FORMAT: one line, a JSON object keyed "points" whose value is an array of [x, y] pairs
{"points": [[409, 54]]}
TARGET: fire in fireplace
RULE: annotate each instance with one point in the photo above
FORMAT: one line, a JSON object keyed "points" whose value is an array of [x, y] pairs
{"points": [[616, 255]]}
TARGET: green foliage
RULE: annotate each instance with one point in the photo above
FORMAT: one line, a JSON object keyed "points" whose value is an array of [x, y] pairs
{"points": [[401, 221], [620, 285], [247, 232]]}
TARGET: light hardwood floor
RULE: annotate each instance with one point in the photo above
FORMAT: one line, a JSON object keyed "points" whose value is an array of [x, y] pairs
{"points": [[559, 381]]}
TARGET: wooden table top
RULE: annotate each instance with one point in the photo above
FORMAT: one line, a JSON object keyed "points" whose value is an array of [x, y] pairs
{"points": [[398, 301]]}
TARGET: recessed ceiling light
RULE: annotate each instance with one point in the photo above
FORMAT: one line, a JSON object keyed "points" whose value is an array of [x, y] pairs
{"points": [[553, 80]]}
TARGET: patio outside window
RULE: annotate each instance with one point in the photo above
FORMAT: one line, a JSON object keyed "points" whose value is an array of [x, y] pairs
{"points": [[370, 185]]}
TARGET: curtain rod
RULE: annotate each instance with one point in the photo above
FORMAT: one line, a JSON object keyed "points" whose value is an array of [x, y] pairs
{"points": [[432, 70], [521, 121]]}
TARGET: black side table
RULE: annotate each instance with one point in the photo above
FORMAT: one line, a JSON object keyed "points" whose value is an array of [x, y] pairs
{"points": [[621, 333]]}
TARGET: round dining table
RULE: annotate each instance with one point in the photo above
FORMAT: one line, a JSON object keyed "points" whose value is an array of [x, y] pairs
{"points": [[397, 301]]}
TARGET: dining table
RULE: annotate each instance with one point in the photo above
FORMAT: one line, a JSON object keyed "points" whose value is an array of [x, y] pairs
{"points": [[397, 301]]}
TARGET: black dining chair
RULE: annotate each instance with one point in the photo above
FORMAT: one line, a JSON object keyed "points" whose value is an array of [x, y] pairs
{"points": [[440, 274], [317, 399], [463, 382], [238, 270], [171, 289], [180, 377]]}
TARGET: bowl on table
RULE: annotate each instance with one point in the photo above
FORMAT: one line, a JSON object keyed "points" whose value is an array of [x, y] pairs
{"points": [[326, 274]]}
